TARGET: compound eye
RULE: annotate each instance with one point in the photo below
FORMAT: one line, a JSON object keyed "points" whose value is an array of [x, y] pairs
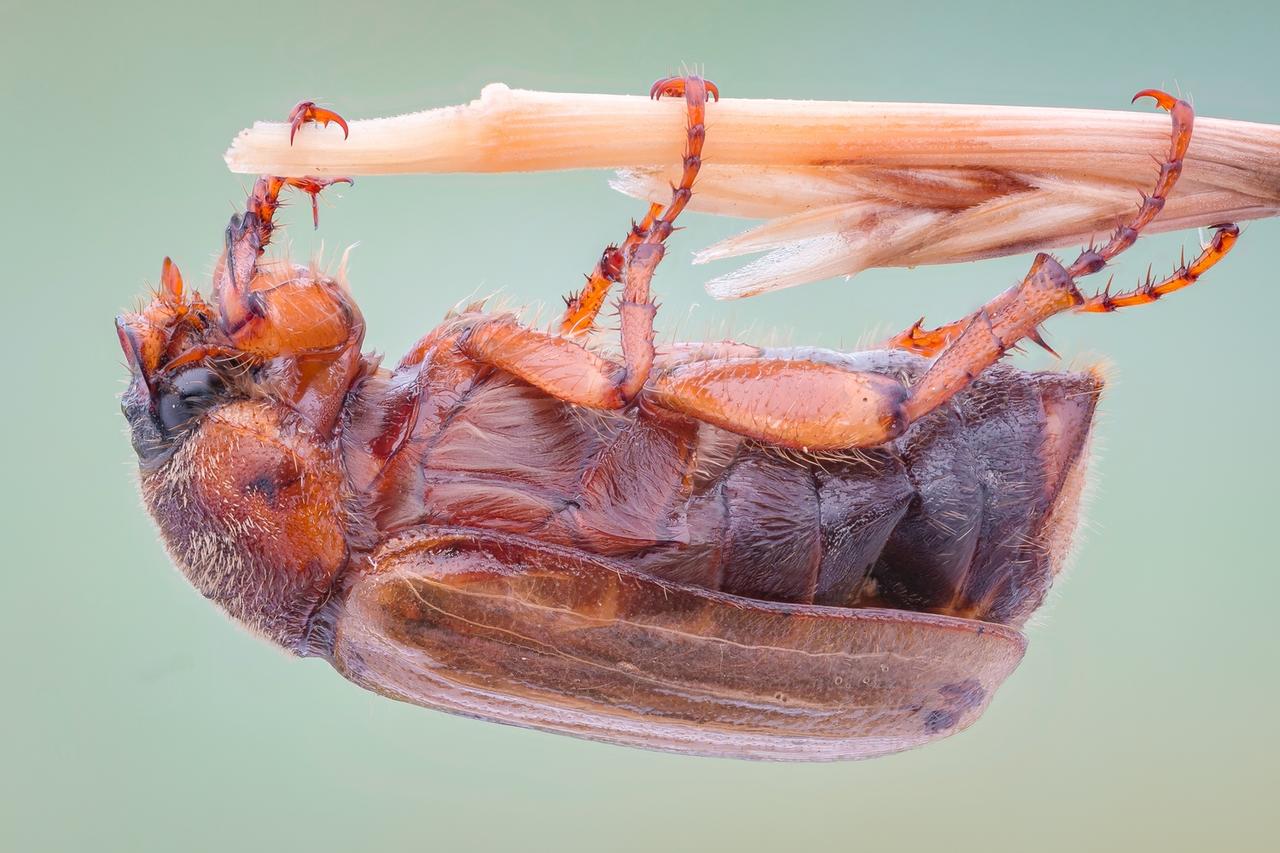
{"points": [[187, 395]]}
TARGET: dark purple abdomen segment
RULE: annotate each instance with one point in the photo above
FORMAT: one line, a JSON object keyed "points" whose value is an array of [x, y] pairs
{"points": [[991, 477], [804, 533], [860, 506], [772, 549], [965, 514]]}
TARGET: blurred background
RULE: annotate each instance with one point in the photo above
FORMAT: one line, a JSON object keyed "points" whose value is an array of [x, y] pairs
{"points": [[138, 718]]}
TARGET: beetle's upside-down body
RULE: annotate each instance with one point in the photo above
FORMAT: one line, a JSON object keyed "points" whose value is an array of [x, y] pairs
{"points": [[712, 548]]}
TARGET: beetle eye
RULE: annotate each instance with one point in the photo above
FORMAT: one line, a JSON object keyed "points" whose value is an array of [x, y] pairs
{"points": [[188, 394]]}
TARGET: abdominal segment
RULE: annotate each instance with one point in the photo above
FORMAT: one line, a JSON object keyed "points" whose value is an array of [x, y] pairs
{"points": [[969, 513], [963, 515]]}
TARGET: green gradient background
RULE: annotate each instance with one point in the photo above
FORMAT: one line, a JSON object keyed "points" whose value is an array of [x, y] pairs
{"points": [[136, 718]]}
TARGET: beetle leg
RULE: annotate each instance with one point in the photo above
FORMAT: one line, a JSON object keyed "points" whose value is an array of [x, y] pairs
{"points": [[926, 342], [1224, 238], [559, 364], [931, 342], [1017, 313], [802, 404], [973, 344], [278, 311], [582, 308], [247, 236]]}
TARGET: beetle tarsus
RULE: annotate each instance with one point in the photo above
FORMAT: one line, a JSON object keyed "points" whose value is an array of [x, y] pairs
{"points": [[1049, 288], [583, 307], [1092, 260], [264, 201], [1224, 239]]}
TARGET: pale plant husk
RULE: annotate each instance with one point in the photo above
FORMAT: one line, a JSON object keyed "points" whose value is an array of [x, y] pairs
{"points": [[844, 186]]}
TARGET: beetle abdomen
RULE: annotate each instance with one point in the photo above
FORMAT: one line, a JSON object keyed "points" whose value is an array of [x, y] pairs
{"points": [[968, 513], [776, 527], [996, 478]]}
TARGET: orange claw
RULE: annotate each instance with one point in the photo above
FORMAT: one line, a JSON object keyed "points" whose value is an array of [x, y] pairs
{"points": [[1163, 99], [307, 111], [926, 342], [312, 187], [674, 87]]}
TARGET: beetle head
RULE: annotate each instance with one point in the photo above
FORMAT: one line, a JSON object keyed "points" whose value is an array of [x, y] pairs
{"points": [[250, 502], [181, 362]]}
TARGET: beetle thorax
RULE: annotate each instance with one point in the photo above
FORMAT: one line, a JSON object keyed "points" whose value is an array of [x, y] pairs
{"points": [[251, 507]]}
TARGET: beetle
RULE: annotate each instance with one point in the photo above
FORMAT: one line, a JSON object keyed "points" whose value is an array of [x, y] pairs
{"points": [[710, 548]]}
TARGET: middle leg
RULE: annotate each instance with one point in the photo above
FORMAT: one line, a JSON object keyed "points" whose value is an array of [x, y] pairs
{"points": [[582, 308], [559, 364]]}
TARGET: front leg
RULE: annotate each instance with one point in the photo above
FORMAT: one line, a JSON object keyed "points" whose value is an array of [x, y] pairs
{"points": [[305, 326], [252, 307]]}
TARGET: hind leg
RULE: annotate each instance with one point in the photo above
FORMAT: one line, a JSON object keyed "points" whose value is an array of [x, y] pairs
{"points": [[822, 406], [1017, 314]]}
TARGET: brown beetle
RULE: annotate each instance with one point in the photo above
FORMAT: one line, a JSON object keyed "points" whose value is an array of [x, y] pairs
{"points": [[709, 548]]}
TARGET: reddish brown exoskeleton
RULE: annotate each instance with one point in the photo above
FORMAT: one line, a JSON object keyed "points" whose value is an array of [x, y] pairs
{"points": [[709, 548]]}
